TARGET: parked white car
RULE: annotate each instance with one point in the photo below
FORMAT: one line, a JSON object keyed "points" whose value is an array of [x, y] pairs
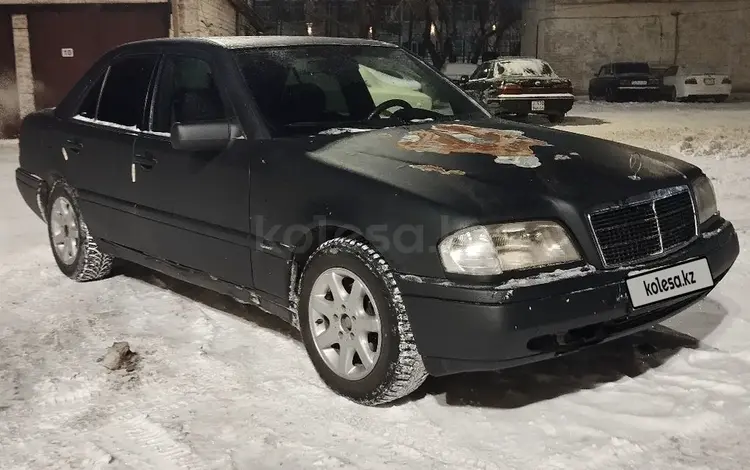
{"points": [[690, 82], [384, 87]]}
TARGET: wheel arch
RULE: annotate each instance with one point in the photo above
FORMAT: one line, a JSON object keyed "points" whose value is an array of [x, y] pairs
{"points": [[304, 248]]}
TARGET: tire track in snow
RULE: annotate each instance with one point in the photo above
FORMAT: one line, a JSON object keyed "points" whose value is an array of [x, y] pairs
{"points": [[153, 443]]}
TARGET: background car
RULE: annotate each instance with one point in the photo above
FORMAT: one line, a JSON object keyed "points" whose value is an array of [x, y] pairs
{"points": [[385, 86], [521, 86], [682, 82], [625, 80]]}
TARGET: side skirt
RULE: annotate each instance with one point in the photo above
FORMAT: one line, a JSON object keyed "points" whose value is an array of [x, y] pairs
{"points": [[263, 301]]}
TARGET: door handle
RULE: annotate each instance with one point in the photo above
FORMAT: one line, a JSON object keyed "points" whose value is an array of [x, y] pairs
{"points": [[145, 160], [74, 145]]}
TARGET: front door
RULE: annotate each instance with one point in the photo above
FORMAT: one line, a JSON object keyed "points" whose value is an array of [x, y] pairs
{"points": [[97, 147], [194, 205]]}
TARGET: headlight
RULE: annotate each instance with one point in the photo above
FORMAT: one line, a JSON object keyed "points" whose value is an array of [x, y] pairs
{"points": [[506, 247], [705, 199]]}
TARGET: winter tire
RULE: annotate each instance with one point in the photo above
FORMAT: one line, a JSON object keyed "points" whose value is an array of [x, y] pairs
{"points": [[75, 251], [610, 95], [673, 95], [354, 324]]}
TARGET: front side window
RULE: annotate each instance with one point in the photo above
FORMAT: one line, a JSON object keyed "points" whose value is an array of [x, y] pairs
{"points": [[124, 95], [186, 93], [336, 86]]}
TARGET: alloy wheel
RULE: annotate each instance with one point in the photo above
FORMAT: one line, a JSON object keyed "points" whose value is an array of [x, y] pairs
{"points": [[345, 323], [64, 230]]}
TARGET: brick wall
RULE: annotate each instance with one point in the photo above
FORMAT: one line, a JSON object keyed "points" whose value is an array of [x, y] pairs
{"points": [[206, 18], [578, 36], [217, 18]]}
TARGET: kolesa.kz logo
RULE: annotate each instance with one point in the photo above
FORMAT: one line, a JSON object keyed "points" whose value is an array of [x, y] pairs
{"points": [[658, 286]]}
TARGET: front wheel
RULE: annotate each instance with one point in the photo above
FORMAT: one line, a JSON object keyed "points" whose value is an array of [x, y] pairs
{"points": [[354, 324], [75, 251]]}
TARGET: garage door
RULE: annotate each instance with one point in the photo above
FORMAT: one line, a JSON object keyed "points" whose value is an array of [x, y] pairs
{"points": [[66, 40], [8, 92]]}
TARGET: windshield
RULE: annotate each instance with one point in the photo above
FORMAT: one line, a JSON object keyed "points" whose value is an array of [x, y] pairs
{"points": [[524, 68], [328, 87], [632, 68]]}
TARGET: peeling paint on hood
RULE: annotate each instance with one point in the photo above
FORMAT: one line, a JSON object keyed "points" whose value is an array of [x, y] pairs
{"points": [[343, 130], [438, 169], [510, 147]]}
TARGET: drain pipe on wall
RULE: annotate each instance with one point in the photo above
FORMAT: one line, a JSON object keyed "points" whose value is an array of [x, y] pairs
{"points": [[676, 15]]}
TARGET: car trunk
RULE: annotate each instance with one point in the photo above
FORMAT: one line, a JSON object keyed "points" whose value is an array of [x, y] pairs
{"points": [[535, 85]]}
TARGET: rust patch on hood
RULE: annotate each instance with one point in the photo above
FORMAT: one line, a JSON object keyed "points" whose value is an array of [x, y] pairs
{"points": [[438, 169], [508, 146]]}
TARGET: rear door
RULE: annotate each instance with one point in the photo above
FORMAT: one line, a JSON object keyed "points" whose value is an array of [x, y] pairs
{"points": [[194, 205], [98, 143]]}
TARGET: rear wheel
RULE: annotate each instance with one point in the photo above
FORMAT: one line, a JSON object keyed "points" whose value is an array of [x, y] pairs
{"points": [[673, 94], [555, 118], [75, 251], [354, 324], [721, 99], [610, 95]]}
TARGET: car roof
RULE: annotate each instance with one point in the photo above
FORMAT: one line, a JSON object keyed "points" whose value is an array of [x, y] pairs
{"points": [[248, 42], [515, 57], [629, 62]]}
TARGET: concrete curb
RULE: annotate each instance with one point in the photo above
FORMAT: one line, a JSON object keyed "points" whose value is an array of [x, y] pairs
{"points": [[8, 143]]}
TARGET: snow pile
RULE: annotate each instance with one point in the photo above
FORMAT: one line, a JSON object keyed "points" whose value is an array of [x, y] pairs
{"points": [[719, 144]]}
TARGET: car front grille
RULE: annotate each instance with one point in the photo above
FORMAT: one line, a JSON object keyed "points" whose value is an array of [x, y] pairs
{"points": [[648, 228]]}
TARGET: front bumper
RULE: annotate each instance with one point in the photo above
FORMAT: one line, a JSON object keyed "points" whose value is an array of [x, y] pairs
{"points": [[478, 328], [522, 104]]}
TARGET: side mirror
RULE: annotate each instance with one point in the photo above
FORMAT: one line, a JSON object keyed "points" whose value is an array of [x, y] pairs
{"points": [[204, 136]]}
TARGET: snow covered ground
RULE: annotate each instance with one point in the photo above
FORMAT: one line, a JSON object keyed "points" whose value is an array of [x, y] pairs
{"points": [[221, 387]]}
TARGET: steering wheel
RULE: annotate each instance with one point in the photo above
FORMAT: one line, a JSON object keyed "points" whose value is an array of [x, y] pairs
{"points": [[388, 104]]}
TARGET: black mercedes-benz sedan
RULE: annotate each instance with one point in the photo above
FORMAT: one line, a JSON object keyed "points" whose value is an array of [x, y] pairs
{"points": [[347, 187]]}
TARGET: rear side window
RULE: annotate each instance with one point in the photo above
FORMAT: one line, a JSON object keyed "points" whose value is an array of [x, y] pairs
{"points": [[482, 72], [124, 95]]}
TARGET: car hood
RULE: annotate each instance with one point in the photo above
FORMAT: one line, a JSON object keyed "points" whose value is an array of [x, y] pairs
{"points": [[493, 160]]}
